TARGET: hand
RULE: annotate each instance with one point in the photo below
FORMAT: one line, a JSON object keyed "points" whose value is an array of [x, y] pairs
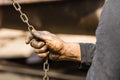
{"points": [[44, 41]]}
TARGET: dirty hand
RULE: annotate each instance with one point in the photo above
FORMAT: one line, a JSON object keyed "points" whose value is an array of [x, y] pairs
{"points": [[44, 41]]}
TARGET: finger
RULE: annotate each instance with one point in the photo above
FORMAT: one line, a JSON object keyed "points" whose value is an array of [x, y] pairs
{"points": [[43, 55], [54, 56], [28, 38], [42, 50], [39, 34], [37, 44]]}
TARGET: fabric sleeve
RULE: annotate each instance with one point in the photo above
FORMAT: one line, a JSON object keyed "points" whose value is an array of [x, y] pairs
{"points": [[87, 53], [106, 61]]}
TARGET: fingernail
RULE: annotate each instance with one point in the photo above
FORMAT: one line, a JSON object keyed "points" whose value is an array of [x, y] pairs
{"points": [[33, 30], [26, 41], [43, 43]]}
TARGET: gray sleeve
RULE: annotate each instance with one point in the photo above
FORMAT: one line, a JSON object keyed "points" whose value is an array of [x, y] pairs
{"points": [[87, 53]]}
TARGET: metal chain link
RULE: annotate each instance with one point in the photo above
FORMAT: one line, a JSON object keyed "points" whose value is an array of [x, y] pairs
{"points": [[46, 69], [23, 16], [25, 19]]}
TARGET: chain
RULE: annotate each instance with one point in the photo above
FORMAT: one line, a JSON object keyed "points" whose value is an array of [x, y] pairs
{"points": [[23, 16], [46, 69], [25, 19]]}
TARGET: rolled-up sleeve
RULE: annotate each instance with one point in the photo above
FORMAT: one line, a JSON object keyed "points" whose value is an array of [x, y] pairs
{"points": [[87, 53]]}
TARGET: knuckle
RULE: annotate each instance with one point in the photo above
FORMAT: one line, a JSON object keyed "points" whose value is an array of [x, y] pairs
{"points": [[52, 57], [36, 50], [49, 38], [32, 41], [40, 44], [46, 32], [32, 44], [43, 49], [42, 55]]}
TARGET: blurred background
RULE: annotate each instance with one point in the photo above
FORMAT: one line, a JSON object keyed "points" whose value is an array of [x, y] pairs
{"points": [[71, 20]]}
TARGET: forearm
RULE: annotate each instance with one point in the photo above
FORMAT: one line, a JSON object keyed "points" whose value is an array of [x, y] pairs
{"points": [[82, 52], [71, 52]]}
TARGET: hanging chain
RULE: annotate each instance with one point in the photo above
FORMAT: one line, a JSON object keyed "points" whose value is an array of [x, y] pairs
{"points": [[23, 16], [25, 19], [46, 69]]}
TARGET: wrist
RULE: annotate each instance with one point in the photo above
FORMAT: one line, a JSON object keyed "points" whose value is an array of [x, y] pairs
{"points": [[70, 51]]}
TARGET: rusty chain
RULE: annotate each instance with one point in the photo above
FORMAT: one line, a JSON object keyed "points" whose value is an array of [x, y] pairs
{"points": [[23, 16], [25, 19], [46, 69]]}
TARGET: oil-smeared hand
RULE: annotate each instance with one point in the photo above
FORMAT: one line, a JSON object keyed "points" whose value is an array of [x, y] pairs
{"points": [[46, 43]]}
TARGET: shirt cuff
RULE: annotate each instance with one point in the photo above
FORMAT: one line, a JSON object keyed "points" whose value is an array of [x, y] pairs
{"points": [[87, 53]]}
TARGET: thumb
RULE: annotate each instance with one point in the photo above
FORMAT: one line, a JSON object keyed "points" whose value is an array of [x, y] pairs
{"points": [[38, 34]]}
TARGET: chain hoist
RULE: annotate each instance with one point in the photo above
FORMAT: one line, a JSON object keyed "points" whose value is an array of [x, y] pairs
{"points": [[25, 19]]}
